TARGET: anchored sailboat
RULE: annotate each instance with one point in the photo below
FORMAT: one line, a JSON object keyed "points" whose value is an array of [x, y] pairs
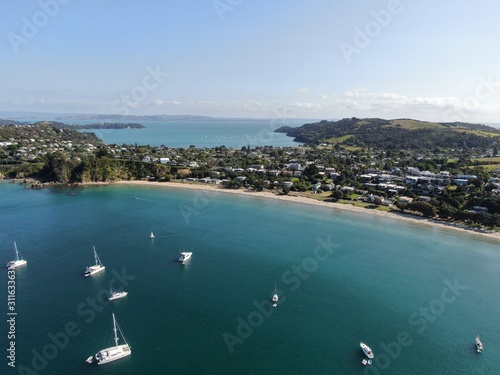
{"points": [[366, 349], [19, 261], [116, 295], [98, 267], [114, 352], [275, 296]]}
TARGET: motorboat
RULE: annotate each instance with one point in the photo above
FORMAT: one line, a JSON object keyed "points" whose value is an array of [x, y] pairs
{"points": [[185, 256], [479, 344]]}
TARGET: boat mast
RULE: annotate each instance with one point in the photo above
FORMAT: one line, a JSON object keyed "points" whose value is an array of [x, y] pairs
{"points": [[17, 253], [114, 329], [97, 260]]}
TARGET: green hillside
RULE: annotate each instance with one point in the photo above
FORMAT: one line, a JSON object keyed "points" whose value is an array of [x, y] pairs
{"points": [[397, 133]]}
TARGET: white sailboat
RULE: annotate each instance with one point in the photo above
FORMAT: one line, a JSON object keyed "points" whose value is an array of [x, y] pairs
{"points": [[275, 296], [152, 235], [19, 261], [116, 295], [98, 267], [366, 349], [114, 352]]}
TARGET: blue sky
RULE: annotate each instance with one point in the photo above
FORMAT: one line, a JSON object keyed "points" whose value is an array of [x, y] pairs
{"points": [[320, 59]]}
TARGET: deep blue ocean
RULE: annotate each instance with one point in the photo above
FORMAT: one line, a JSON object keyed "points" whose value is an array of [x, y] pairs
{"points": [[417, 295]]}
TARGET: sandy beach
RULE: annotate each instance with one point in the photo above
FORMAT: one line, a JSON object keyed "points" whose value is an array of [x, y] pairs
{"points": [[306, 200]]}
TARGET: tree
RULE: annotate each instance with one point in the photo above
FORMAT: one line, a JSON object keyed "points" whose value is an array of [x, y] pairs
{"points": [[447, 210], [425, 208], [337, 194], [310, 172]]}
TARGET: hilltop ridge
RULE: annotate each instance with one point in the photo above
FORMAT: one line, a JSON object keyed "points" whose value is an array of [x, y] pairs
{"points": [[400, 133]]}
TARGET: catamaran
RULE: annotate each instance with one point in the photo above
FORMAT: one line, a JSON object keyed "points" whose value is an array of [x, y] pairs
{"points": [[114, 352], [116, 295], [18, 262], [366, 349], [98, 267]]}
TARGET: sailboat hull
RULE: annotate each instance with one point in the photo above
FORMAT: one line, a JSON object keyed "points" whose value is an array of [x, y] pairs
{"points": [[112, 354], [93, 270], [98, 267], [117, 295], [16, 263]]}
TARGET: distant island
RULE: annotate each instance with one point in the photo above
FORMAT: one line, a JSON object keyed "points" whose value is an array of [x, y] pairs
{"points": [[60, 125], [101, 125], [116, 118], [119, 118]]}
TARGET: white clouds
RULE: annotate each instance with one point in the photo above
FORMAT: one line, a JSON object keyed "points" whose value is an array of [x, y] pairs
{"points": [[375, 96], [357, 102]]}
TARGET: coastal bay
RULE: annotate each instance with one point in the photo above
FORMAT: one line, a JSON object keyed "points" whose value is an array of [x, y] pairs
{"points": [[372, 278]]}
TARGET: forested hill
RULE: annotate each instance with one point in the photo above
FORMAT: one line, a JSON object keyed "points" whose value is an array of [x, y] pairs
{"points": [[101, 125], [399, 133], [60, 125]]}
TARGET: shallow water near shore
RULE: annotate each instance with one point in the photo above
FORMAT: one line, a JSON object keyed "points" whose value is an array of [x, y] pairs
{"points": [[417, 295]]}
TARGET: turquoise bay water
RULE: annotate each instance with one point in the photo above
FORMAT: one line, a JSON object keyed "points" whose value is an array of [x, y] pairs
{"points": [[212, 133], [202, 133], [342, 278]]}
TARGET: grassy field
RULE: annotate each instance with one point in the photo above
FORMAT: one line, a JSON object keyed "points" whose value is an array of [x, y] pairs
{"points": [[415, 124], [491, 167], [336, 140], [477, 132], [487, 160]]}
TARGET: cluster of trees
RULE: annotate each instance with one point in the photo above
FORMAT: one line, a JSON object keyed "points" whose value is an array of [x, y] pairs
{"points": [[47, 133], [99, 168], [475, 203]]}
